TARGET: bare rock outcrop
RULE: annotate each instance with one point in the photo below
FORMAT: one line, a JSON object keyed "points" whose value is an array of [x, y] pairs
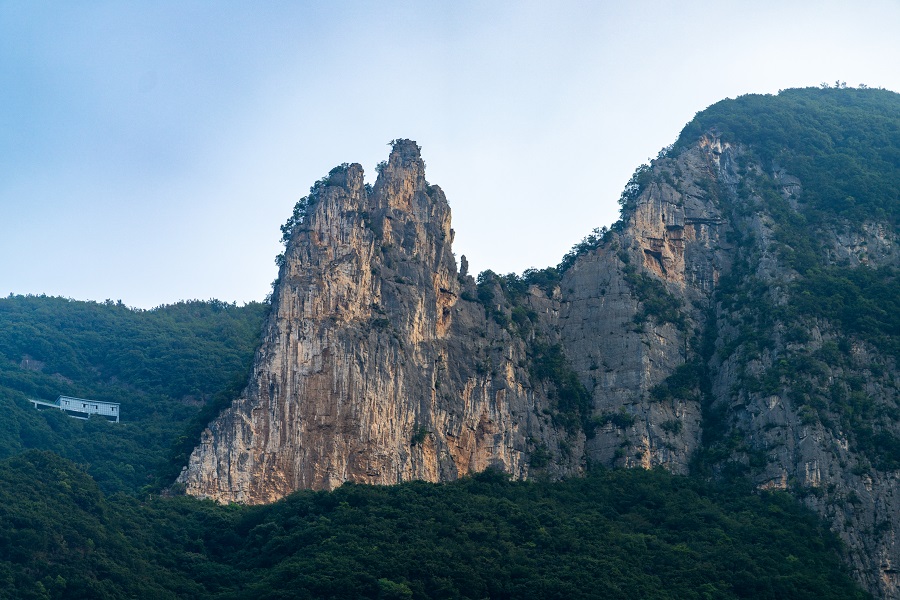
{"points": [[371, 369], [667, 341]]}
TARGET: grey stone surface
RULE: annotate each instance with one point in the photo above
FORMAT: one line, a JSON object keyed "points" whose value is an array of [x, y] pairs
{"points": [[377, 365]]}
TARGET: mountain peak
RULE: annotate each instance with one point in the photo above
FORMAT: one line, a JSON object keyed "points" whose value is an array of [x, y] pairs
{"points": [[719, 328]]}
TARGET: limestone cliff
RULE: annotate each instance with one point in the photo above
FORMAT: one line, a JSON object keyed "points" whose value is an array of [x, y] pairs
{"points": [[760, 388], [380, 363], [371, 368], [632, 309], [795, 401], [689, 336]]}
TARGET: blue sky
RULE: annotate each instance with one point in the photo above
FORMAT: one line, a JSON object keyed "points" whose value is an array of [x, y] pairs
{"points": [[149, 151]]}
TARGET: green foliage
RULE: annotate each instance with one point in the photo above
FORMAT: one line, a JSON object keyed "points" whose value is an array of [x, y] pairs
{"points": [[60, 538], [839, 403], [507, 309], [546, 279], [621, 419], [485, 284], [419, 436], [673, 426], [795, 232], [298, 216], [685, 383], [843, 144], [539, 457], [168, 367], [639, 181], [573, 402], [306, 203], [614, 534], [511, 285], [656, 301], [503, 298], [862, 301], [589, 243], [858, 302]]}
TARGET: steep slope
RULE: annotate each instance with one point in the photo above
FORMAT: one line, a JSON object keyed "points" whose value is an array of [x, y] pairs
{"points": [[789, 303], [802, 360], [371, 369], [738, 321], [632, 310], [168, 367]]}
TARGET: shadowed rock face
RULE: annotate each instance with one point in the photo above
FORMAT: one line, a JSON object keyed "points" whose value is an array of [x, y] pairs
{"points": [[380, 363]]}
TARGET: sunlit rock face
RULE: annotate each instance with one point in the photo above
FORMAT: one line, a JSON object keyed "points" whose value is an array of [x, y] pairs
{"points": [[381, 363], [371, 368]]}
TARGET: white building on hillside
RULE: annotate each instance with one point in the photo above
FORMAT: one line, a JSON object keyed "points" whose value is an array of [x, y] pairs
{"points": [[81, 408]]}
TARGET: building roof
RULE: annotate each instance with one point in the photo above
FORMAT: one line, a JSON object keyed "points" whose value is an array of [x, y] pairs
{"points": [[61, 398]]}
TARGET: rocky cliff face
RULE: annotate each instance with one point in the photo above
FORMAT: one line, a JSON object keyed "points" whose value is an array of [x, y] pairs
{"points": [[676, 339], [633, 308], [380, 363], [795, 402], [371, 368]]}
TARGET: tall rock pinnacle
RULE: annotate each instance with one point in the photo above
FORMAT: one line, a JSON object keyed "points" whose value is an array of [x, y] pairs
{"points": [[366, 372]]}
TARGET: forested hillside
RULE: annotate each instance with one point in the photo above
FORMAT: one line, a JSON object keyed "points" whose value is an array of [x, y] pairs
{"points": [[842, 144], [171, 368], [614, 534]]}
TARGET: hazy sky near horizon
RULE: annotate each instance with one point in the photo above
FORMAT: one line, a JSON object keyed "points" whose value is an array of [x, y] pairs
{"points": [[149, 151]]}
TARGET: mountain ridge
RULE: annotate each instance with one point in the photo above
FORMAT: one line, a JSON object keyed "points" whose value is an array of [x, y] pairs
{"points": [[694, 334]]}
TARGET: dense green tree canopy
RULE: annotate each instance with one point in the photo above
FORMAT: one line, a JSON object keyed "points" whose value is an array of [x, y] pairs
{"points": [[843, 144], [171, 368], [626, 534]]}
